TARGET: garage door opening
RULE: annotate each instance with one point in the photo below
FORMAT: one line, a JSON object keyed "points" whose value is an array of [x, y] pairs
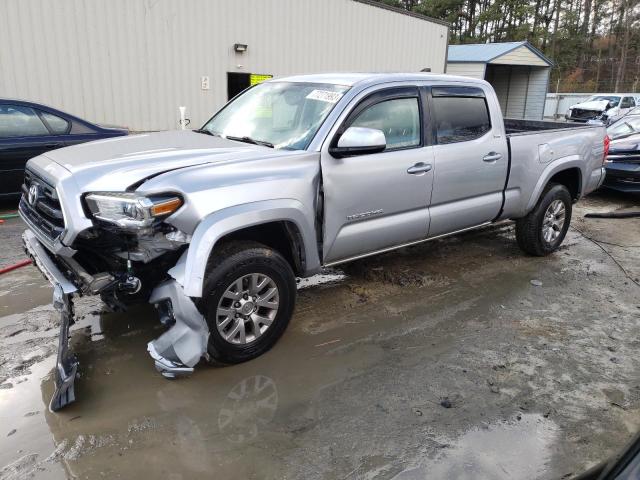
{"points": [[239, 82], [521, 90]]}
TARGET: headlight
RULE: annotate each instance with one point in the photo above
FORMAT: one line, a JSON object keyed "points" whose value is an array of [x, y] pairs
{"points": [[130, 210]]}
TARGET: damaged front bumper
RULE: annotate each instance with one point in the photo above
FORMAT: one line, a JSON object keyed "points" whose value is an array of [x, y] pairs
{"points": [[175, 352], [182, 346], [63, 290]]}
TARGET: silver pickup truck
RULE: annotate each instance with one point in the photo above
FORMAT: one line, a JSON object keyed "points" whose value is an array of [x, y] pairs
{"points": [[212, 226]]}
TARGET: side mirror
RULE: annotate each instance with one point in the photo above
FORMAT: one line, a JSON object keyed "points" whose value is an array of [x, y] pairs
{"points": [[359, 141]]}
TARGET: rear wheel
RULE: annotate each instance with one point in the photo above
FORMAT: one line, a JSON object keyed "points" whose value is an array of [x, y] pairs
{"points": [[248, 299], [542, 231]]}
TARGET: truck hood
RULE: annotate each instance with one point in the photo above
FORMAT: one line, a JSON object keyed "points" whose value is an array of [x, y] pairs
{"points": [[162, 149], [118, 163], [597, 105]]}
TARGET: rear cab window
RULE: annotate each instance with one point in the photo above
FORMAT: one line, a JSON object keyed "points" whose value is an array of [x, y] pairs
{"points": [[460, 114]]}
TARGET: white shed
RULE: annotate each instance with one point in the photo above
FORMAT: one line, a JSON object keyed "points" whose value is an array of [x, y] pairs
{"points": [[518, 72]]}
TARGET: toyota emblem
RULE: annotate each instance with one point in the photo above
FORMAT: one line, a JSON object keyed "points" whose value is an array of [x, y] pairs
{"points": [[34, 193]]}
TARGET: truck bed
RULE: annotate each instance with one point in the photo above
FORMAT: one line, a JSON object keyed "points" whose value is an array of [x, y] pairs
{"points": [[536, 147], [514, 126]]}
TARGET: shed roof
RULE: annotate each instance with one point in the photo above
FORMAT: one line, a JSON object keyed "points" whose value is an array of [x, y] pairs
{"points": [[488, 52]]}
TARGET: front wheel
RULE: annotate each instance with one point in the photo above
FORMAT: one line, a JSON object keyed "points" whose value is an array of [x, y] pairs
{"points": [[248, 299], [542, 231]]}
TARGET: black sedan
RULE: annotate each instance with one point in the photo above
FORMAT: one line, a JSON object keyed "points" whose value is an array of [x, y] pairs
{"points": [[28, 129], [623, 161]]}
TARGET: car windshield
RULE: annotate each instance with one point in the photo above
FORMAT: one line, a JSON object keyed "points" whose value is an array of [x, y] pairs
{"points": [[624, 127], [611, 99], [284, 115]]}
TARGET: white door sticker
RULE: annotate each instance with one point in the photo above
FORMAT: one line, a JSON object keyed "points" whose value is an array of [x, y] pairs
{"points": [[325, 96]]}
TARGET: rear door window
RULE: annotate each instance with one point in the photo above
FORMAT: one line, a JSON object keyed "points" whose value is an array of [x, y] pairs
{"points": [[19, 121], [58, 125], [460, 114]]}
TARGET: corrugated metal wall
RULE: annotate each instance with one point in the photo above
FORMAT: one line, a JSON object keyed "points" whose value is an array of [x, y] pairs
{"points": [[467, 69], [133, 62], [538, 85], [500, 77], [520, 56]]}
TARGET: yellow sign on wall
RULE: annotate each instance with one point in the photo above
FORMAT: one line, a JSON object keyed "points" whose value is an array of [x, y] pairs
{"points": [[255, 78]]}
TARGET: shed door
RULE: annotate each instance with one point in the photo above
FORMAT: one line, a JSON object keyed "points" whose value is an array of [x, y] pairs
{"points": [[521, 89], [518, 86], [511, 84]]}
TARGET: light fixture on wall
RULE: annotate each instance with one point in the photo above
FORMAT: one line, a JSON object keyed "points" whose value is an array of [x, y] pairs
{"points": [[240, 47]]}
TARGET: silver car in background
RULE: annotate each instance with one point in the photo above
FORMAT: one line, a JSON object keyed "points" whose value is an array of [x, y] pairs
{"points": [[606, 108]]}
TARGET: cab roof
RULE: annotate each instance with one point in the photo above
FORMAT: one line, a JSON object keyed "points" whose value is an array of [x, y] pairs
{"points": [[362, 79]]}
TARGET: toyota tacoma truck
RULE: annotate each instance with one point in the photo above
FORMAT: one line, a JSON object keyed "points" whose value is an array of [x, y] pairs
{"points": [[212, 226]]}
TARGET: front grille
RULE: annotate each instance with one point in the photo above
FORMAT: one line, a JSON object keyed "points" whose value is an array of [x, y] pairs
{"points": [[42, 209], [580, 114]]}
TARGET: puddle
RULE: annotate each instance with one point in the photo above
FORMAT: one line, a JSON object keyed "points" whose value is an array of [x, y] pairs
{"points": [[517, 449], [27, 452]]}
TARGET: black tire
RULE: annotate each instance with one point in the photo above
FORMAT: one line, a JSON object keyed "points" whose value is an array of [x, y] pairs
{"points": [[529, 230], [234, 261]]}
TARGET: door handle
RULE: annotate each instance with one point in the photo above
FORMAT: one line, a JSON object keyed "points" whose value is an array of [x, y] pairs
{"points": [[419, 168], [492, 157], [53, 145]]}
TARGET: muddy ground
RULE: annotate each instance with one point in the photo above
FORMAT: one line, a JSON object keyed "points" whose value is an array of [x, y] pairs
{"points": [[442, 360]]}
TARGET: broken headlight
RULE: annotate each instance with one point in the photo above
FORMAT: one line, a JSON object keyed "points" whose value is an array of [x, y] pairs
{"points": [[131, 210]]}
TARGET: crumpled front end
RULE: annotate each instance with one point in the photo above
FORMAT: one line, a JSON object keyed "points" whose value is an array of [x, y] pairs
{"points": [[180, 348], [123, 263], [63, 291]]}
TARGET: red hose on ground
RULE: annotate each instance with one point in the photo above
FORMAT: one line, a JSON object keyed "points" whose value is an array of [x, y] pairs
{"points": [[15, 266]]}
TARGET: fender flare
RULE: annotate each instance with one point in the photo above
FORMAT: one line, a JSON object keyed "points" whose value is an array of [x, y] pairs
{"points": [[565, 163], [218, 224]]}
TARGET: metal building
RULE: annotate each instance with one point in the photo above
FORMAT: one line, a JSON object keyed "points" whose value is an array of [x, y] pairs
{"points": [[134, 62], [518, 72]]}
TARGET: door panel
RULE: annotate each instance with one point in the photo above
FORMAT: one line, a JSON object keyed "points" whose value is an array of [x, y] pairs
{"points": [[372, 203], [467, 191], [14, 154], [378, 201], [22, 135], [471, 163], [74, 139]]}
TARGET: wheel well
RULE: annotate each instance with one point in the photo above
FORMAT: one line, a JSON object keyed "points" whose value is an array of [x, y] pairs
{"points": [[570, 178], [283, 236]]}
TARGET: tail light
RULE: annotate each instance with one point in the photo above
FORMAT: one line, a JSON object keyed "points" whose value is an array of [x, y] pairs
{"points": [[607, 142]]}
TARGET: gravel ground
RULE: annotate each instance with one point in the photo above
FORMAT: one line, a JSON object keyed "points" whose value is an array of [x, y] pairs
{"points": [[457, 358]]}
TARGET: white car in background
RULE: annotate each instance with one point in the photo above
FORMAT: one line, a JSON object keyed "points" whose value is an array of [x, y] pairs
{"points": [[607, 108]]}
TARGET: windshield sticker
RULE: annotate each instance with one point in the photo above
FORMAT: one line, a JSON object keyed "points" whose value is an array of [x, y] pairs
{"points": [[325, 96]]}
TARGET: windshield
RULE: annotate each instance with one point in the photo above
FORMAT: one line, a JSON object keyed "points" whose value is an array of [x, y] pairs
{"points": [[284, 114], [624, 127], [613, 101]]}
